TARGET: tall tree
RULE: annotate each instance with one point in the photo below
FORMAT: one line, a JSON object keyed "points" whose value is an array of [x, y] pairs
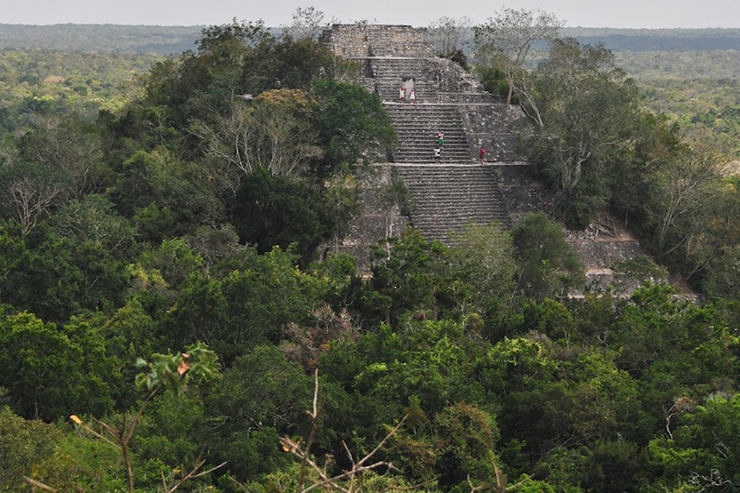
{"points": [[482, 267], [49, 371], [507, 39], [547, 264], [29, 194], [586, 110], [354, 128], [71, 147], [449, 35], [273, 132], [682, 192], [308, 23]]}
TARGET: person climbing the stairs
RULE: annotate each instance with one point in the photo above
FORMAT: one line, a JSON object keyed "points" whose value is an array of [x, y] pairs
{"points": [[441, 138], [437, 154]]}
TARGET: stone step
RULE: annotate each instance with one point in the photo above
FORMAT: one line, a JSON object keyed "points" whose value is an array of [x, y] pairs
{"points": [[447, 154], [426, 142], [449, 197], [429, 152], [429, 159], [417, 127], [419, 144]]}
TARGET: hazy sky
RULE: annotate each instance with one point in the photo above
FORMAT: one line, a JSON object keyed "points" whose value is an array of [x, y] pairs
{"points": [[586, 13]]}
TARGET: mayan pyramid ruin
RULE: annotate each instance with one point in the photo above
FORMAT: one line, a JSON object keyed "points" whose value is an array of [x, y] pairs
{"points": [[424, 95]]}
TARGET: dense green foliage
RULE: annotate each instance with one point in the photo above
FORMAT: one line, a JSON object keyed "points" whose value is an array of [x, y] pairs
{"points": [[130, 241], [37, 82], [600, 148]]}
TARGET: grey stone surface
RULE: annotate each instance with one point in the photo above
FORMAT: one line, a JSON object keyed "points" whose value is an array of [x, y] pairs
{"points": [[450, 196]]}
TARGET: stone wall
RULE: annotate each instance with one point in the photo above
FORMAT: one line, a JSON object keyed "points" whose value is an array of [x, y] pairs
{"points": [[493, 127], [521, 190], [368, 40], [378, 220]]}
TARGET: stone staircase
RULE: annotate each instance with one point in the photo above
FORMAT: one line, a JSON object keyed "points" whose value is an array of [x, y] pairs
{"points": [[389, 73], [456, 190], [418, 126], [447, 197], [436, 80]]}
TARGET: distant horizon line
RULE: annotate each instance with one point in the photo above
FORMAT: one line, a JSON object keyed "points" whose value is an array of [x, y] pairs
{"points": [[103, 24]]}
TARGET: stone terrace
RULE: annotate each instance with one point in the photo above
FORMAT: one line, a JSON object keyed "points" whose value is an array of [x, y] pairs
{"points": [[368, 40]]}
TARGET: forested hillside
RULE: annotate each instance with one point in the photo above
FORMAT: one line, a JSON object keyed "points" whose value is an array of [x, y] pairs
{"points": [[632, 40], [37, 81], [170, 318], [163, 40]]}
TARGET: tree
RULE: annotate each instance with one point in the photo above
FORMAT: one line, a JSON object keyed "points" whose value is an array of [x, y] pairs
{"points": [[94, 219], [547, 265], [58, 159], [450, 36], [586, 110], [684, 193], [50, 370], [284, 141], [164, 372], [258, 399], [507, 40], [482, 267], [352, 480], [273, 211], [466, 439], [429, 365], [63, 276], [29, 194], [165, 195], [657, 143], [174, 261], [30, 449], [354, 128], [248, 33], [247, 300], [71, 147], [12, 253], [202, 98], [723, 276], [308, 23], [407, 273], [272, 132], [213, 244], [298, 133], [702, 451]]}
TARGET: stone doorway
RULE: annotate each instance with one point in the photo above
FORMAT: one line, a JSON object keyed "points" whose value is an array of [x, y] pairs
{"points": [[408, 84]]}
